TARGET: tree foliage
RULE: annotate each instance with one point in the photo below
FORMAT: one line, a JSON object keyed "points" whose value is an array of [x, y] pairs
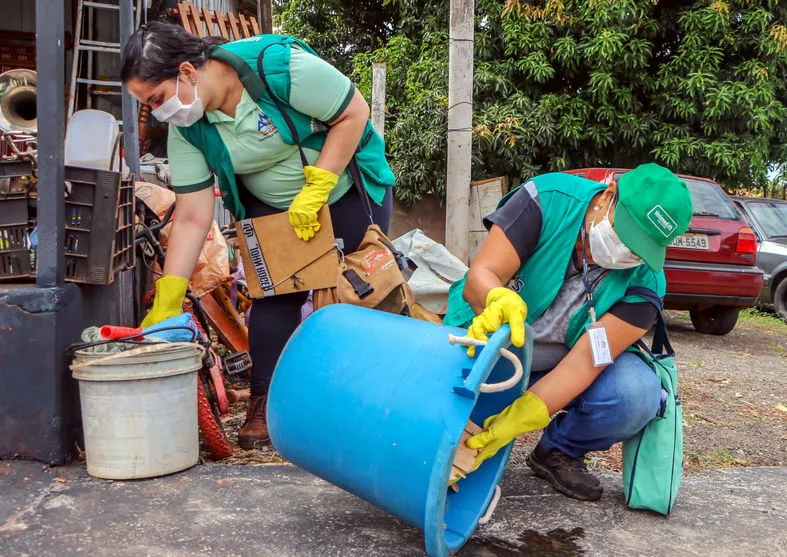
{"points": [[700, 87], [336, 29]]}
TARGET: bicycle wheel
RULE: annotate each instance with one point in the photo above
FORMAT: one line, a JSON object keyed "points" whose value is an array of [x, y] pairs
{"points": [[210, 426]]}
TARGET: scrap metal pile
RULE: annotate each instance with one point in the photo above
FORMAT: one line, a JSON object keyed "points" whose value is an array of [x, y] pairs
{"points": [[18, 130]]}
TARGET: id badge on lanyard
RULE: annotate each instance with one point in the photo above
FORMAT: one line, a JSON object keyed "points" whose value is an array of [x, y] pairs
{"points": [[597, 333]]}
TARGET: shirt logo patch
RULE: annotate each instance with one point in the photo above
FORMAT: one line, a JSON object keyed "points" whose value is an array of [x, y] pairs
{"points": [[516, 283], [265, 127], [662, 220]]}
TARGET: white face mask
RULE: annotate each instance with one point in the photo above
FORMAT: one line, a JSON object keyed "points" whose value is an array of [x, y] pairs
{"points": [[174, 112], [607, 249]]}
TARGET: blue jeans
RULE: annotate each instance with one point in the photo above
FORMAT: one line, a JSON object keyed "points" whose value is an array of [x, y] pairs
{"points": [[619, 403]]}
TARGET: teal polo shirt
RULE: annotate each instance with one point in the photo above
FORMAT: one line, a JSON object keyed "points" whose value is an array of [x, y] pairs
{"points": [[270, 169]]}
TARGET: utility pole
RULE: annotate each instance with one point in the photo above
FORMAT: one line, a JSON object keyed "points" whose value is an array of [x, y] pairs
{"points": [[50, 112], [378, 98], [128, 103], [460, 121], [265, 16]]}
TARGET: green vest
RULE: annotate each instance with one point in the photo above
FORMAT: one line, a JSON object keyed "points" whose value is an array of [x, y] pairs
{"points": [[242, 57], [564, 201]]}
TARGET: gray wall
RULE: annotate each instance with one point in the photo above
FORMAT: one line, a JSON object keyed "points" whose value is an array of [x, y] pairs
{"points": [[39, 402]]}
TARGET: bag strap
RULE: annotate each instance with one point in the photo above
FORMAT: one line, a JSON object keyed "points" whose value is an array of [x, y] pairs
{"points": [[279, 104], [661, 347], [355, 171]]}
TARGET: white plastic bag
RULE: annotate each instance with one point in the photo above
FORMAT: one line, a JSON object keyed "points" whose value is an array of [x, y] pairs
{"points": [[437, 269]]}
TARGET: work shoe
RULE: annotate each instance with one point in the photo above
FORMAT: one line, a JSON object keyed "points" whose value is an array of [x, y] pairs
{"points": [[254, 432], [566, 474]]}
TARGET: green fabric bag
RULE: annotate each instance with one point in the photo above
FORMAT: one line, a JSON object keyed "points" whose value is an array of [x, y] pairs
{"points": [[653, 458]]}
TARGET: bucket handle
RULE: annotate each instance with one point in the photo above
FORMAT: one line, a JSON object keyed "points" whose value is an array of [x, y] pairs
{"points": [[507, 354], [491, 508]]}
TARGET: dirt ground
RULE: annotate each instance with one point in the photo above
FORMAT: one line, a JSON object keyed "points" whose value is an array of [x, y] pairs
{"points": [[733, 388]]}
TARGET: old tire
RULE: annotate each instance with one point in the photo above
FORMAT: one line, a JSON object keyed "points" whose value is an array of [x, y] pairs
{"points": [[210, 426], [780, 299], [715, 320]]}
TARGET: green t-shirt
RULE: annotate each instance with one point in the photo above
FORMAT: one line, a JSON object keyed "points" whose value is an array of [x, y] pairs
{"points": [[269, 168]]}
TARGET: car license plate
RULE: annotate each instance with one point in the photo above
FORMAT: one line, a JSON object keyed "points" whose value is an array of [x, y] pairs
{"points": [[690, 241]]}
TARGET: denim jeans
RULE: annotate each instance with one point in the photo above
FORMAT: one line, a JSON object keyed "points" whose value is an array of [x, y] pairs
{"points": [[619, 403]]}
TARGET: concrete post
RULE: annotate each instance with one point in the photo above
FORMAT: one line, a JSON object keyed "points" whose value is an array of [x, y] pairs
{"points": [[460, 121], [378, 98]]}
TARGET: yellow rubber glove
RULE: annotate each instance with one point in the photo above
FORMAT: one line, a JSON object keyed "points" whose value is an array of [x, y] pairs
{"points": [[170, 293], [503, 305], [527, 413], [304, 207]]}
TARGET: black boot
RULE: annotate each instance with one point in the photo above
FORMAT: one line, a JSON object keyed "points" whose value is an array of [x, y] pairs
{"points": [[566, 474]]}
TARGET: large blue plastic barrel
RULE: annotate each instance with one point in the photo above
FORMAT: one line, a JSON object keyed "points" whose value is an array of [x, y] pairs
{"points": [[376, 403]]}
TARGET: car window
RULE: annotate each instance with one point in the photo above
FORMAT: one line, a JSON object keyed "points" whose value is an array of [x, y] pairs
{"points": [[772, 217], [707, 199]]}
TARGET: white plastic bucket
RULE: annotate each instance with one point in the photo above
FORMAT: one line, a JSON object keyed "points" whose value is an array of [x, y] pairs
{"points": [[91, 137], [139, 410]]}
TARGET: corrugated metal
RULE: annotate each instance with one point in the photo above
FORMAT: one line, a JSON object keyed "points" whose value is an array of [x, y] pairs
{"points": [[223, 5], [18, 15]]}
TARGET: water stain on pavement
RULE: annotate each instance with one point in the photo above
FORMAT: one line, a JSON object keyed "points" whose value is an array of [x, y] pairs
{"points": [[555, 543]]}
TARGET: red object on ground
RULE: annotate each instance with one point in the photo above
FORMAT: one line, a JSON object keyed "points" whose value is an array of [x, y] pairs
{"points": [[113, 332], [218, 383], [213, 436]]}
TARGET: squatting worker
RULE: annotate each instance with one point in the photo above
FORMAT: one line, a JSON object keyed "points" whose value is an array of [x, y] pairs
{"points": [[223, 121], [554, 241]]}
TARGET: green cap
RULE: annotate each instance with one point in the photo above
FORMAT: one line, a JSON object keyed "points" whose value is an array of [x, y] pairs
{"points": [[653, 207]]}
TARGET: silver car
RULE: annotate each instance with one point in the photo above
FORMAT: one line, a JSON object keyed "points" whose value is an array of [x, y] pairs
{"points": [[768, 219]]}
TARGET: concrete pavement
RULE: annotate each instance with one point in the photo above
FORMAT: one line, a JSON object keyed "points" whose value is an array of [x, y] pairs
{"points": [[284, 511]]}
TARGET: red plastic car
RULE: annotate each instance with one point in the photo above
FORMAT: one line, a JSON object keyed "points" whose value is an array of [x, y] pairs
{"points": [[711, 269]]}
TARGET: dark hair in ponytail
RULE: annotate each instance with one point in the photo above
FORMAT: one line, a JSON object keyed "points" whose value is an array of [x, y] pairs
{"points": [[156, 50]]}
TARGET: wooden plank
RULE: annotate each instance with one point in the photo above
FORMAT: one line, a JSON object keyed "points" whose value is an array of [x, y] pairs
{"points": [[484, 197], [209, 22], [245, 25], [472, 428], [197, 20], [183, 13], [464, 459], [254, 26], [220, 19], [234, 26]]}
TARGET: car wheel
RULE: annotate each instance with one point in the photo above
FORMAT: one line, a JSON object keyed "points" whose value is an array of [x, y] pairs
{"points": [[780, 299], [716, 320]]}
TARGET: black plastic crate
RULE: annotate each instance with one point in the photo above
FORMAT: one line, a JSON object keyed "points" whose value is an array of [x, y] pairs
{"points": [[15, 264], [13, 208], [14, 240], [123, 250], [99, 225]]}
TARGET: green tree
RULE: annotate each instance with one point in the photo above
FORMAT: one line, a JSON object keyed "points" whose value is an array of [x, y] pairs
{"points": [[337, 30], [699, 86]]}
